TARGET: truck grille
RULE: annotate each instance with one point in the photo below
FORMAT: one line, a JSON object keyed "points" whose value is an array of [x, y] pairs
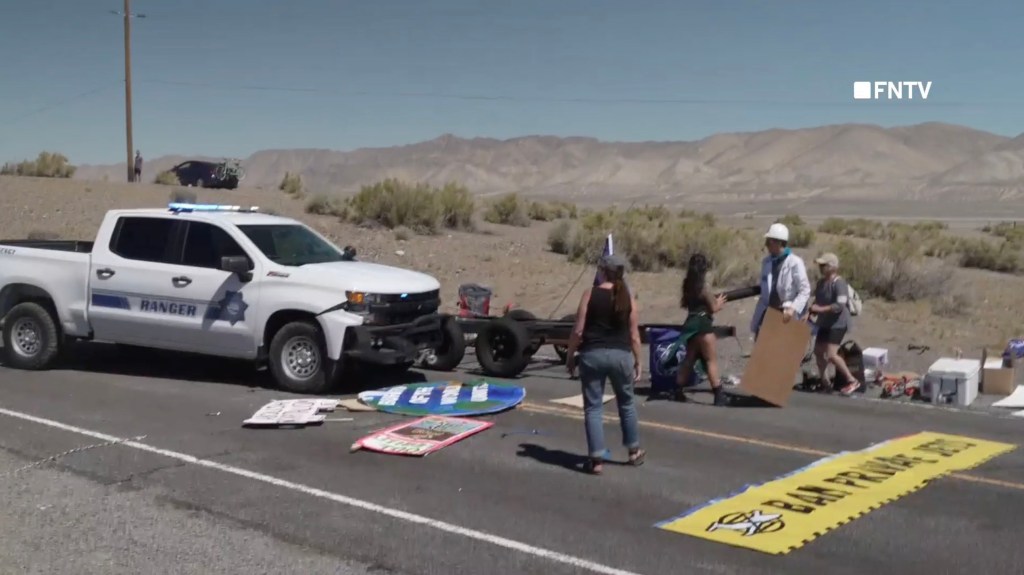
{"points": [[396, 309]]}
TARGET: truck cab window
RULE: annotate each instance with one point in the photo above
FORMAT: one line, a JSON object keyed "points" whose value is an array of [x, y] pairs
{"points": [[144, 239], [206, 244]]}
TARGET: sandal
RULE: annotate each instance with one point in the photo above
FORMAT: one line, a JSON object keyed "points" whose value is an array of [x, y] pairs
{"points": [[636, 457], [593, 466], [850, 388]]}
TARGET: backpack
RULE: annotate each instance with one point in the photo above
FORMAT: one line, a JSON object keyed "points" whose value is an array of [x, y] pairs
{"points": [[853, 303]]}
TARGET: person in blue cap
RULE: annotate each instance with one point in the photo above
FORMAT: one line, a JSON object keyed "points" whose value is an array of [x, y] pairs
{"points": [[607, 337]]}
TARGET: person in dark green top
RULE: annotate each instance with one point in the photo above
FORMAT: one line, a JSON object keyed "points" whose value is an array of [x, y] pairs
{"points": [[697, 333]]}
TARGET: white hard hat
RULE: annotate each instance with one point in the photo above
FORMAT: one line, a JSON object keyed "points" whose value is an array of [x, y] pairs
{"points": [[778, 232]]}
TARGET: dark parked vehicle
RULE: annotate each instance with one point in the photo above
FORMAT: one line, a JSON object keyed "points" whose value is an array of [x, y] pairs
{"points": [[203, 174]]}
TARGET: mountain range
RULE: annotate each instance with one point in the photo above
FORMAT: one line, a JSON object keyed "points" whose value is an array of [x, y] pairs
{"points": [[930, 161]]}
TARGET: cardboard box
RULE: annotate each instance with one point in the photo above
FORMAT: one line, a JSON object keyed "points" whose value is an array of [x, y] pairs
{"points": [[876, 357], [996, 379]]}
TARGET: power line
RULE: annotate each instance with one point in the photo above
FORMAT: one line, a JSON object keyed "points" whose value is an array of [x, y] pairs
{"points": [[67, 101], [542, 99]]}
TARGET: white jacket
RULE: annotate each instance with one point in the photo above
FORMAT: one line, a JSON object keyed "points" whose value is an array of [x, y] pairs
{"points": [[793, 286]]}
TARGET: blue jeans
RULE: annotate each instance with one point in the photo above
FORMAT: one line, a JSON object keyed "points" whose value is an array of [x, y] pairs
{"points": [[597, 365]]}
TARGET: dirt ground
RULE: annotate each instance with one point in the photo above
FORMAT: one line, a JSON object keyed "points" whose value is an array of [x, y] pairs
{"points": [[517, 265]]}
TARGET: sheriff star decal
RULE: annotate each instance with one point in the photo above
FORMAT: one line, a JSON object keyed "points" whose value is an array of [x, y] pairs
{"points": [[230, 308]]}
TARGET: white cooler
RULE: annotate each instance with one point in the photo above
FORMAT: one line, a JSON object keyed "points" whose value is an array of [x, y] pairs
{"points": [[875, 357], [951, 380]]}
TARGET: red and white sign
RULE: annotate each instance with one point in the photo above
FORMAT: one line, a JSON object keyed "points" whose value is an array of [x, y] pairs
{"points": [[422, 436]]}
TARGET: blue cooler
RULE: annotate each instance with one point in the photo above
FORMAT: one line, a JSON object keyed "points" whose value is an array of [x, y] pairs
{"points": [[663, 380]]}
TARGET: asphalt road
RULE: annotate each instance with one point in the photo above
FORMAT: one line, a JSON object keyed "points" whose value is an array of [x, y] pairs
{"points": [[296, 501]]}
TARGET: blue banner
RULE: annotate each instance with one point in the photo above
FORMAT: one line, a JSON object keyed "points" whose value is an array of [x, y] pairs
{"points": [[452, 398]]}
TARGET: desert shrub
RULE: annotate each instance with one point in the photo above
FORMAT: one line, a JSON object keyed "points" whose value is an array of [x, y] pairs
{"points": [[507, 210], [291, 184], [983, 254], [560, 238], [184, 196], [392, 203], [324, 205], [167, 178], [403, 233], [419, 207], [653, 240], [857, 228], [456, 206], [1009, 231], [546, 212], [894, 271], [792, 220], [46, 165]]}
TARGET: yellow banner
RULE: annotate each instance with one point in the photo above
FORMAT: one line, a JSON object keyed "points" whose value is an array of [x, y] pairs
{"points": [[786, 513]]}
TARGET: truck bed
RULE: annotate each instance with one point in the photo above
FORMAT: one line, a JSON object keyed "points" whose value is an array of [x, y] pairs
{"points": [[76, 246]]}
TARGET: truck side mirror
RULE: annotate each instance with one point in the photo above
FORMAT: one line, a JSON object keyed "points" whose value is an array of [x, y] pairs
{"points": [[239, 265], [348, 254]]}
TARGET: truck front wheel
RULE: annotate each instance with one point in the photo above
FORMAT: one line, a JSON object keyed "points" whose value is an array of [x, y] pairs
{"points": [[298, 359], [31, 338]]}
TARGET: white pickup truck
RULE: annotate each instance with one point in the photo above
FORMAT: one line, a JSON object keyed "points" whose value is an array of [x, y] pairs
{"points": [[222, 281]]}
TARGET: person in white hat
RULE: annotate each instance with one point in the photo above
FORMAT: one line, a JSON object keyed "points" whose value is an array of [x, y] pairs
{"points": [[784, 282]]}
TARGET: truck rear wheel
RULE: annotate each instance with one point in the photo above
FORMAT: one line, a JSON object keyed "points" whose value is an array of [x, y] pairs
{"points": [[31, 338], [298, 359]]}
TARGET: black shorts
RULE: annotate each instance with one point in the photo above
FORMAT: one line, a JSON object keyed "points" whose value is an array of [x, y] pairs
{"points": [[833, 336]]}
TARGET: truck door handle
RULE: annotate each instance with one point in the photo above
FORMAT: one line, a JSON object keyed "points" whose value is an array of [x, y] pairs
{"points": [[181, 281], [104, 273]]}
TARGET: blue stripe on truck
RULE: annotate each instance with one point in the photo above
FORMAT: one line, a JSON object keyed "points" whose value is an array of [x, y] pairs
{"points": [[114, 301]]}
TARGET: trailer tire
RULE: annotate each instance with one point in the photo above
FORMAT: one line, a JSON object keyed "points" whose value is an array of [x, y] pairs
{"points": [[561, 350], [524, 315], [32, 340], [501, 347], [452, 350]]}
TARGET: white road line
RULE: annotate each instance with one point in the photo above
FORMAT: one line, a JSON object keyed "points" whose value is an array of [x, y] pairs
{"points": [[336, 497]]}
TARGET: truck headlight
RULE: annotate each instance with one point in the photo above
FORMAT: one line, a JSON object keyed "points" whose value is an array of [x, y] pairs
{"points": [[359, 302]]}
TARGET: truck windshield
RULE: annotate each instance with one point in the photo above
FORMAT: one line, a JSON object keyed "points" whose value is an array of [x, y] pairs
{"points": [[291, 245]]}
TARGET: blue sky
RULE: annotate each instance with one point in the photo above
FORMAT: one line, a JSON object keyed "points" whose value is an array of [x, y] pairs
{"points": [[229, 77]]}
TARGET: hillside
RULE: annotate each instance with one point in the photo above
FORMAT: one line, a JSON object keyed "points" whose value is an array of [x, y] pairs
{"points": [[923, 161]]}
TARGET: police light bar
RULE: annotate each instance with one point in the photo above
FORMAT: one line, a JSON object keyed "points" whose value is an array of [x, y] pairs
{"points": [[178, 207]]}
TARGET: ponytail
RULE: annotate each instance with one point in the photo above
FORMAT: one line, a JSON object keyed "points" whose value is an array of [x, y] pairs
{"points": [[622, 301]]}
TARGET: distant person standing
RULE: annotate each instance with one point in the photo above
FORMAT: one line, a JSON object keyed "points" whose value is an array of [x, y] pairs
{"points": [[138, 166]]}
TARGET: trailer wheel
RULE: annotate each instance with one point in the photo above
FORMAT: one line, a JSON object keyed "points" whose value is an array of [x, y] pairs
{"points": [[31, 338], [561, 350], [452, 350], [524, 315], [501, 347]]}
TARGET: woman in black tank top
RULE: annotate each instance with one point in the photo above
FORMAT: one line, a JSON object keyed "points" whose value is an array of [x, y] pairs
{"points": [[697, 333], [607, 337]]}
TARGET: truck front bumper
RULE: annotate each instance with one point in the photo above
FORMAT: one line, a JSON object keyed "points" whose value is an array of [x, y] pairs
{"points": [[393, 344]]}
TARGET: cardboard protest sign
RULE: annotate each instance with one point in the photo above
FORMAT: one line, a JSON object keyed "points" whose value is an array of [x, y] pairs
{"points": [[775, 361], [291, 412], [422, 436], [453, 398]]}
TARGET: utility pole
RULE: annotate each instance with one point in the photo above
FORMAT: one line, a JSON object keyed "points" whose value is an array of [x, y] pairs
{"points": [[127, 14], [128, 89]]}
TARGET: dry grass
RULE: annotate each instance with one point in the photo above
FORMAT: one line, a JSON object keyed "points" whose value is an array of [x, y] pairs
{"points": [[508, 210], [974, 308], [167, 178], [46, 165], [418, 207]]}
